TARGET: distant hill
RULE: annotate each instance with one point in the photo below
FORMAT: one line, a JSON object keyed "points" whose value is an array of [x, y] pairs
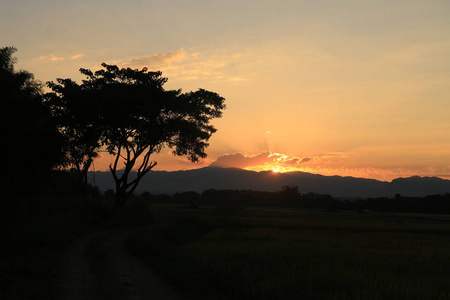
{"points": [[163, 182]]}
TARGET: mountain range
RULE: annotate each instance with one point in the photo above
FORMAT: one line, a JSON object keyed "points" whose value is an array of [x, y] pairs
{"points": [[198, 180]]}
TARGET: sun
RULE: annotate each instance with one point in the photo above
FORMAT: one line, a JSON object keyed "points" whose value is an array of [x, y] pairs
{"points": [[276, 170]]}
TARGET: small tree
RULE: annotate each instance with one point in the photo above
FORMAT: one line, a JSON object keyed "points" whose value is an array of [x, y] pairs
{"points": [[139, 118]]}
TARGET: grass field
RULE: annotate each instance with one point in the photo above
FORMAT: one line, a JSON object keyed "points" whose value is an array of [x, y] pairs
{"points": [[295, 254]]}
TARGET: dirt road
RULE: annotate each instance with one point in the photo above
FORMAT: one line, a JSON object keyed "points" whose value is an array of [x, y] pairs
{"points": [[97, 266]]}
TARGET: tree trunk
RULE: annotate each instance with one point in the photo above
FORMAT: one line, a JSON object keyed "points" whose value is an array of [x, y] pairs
{"points": [[119, 201]]}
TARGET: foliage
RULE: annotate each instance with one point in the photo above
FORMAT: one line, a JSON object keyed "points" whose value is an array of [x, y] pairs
{"points": [[32, 144], [77, 118], [138, 118], [290, 197]]}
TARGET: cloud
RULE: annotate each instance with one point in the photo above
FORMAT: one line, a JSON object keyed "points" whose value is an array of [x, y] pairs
{"points": [[160, 60], [327, 164], [265, 159], [241, 161], [55, 58], [77, 56], [190, 65], [50, 58], [304, 160]]}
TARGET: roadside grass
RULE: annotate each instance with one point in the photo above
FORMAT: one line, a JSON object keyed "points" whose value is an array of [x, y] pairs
{"points": [[295, 254], [36, 232]]}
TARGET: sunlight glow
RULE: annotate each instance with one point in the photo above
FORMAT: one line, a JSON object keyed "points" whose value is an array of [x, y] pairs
{"points": [[276, 168]]}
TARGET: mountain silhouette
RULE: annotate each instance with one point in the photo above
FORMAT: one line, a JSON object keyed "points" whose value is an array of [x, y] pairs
{"points": [[198, 180]]}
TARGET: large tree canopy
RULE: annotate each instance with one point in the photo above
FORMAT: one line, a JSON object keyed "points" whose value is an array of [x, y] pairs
{"points": [[135, 117], [31, 144]]}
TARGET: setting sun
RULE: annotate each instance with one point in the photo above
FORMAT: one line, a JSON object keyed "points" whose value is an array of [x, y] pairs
{"points": [[278, 168]]}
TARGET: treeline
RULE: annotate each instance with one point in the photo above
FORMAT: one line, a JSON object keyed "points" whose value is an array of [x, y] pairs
{"points": [[65, 183], [435, 204], [290, 197], [287, 197]]}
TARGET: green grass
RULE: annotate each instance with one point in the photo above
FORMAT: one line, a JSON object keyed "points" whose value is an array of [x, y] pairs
{"points": [[294, 254]]}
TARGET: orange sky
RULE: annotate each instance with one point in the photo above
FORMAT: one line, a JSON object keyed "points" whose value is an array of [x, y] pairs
{"points": [[353, 88]]}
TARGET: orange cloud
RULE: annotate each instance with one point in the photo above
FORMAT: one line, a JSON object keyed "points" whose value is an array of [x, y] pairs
{"points": [[58, 58], [160, 60], [50, 57], [189, 65], [77, 56], [238, 160], [265, 160]]}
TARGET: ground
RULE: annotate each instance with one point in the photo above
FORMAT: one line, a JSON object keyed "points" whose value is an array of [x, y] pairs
{"points": [[97, 266]]}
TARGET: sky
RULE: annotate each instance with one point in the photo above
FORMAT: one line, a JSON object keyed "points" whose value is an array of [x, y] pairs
{"points": [[353, 88]]}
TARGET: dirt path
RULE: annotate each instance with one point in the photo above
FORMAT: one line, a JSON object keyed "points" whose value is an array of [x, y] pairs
{"points": [[98, 267]]}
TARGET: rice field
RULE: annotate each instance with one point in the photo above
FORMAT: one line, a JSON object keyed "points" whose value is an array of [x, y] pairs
{"points": [[295, 254]]}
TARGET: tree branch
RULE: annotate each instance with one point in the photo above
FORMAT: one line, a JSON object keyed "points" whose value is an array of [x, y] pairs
{"points": [[136, 181]]}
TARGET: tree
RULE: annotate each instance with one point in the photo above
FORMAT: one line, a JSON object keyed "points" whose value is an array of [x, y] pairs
{"points": [[77, 119], [138, 118], [289, 194], [31, 144]]}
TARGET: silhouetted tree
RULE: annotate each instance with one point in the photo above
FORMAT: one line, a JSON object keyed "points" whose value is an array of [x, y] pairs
{"points": [[139, 118], [31, 144], [289, 195], [77, 118]]}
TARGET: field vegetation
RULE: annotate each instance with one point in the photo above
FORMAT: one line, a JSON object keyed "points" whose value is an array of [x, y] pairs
{"points": [[277, 253]]}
